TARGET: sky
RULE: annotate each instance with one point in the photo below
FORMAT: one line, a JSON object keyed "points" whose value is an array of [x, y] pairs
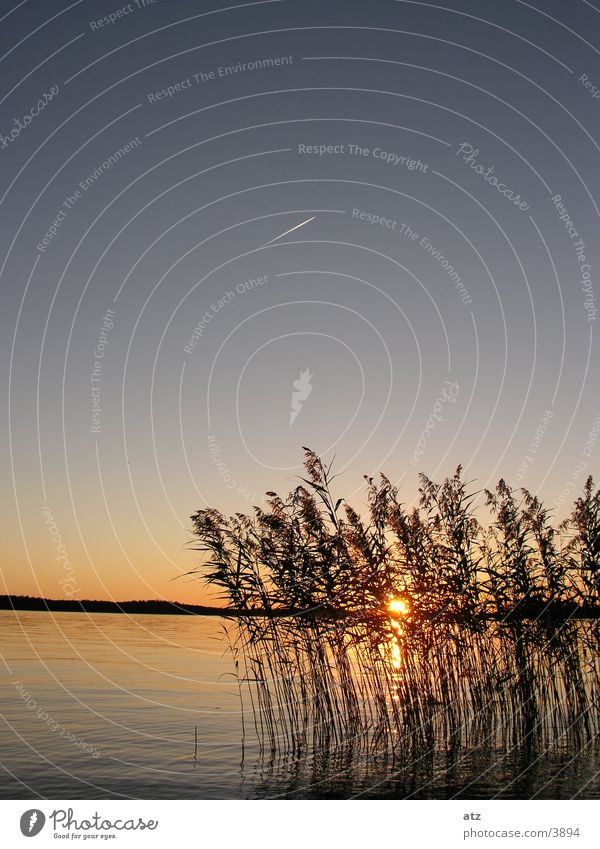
{"points": [[230, 230]]}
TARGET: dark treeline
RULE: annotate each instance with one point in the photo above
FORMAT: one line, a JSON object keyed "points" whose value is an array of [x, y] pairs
{"points": [[26, 602]]}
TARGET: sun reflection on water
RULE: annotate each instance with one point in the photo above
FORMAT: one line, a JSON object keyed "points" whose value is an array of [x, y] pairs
{"points": [[397, 607]]}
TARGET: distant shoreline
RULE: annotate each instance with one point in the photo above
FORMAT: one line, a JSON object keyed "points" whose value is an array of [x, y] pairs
{"points": [[156, 607], [557, 611]]}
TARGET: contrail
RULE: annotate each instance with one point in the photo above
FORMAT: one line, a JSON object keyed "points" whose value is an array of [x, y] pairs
{"points": [[281, 235]]}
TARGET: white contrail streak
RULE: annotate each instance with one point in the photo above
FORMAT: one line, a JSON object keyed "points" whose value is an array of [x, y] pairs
{"points": [[291, 230]]}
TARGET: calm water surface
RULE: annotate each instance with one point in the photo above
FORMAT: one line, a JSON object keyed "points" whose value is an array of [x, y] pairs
{"points": [[109, 706]]}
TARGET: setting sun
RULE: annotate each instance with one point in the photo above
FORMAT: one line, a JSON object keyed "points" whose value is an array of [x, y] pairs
{"points": [[398, 605]]}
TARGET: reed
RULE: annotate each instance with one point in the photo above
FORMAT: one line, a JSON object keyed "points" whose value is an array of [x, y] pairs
{"points": [[411, 630]]}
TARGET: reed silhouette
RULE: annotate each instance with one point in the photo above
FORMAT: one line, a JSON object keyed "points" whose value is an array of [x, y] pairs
{"points": [[410, 631]]}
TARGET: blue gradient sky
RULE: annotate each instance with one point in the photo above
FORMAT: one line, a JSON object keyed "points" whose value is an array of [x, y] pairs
{"points": [[412, 367]]}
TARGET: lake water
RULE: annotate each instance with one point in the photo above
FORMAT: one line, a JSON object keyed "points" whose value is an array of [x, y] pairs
{"points": [[117, 706]]}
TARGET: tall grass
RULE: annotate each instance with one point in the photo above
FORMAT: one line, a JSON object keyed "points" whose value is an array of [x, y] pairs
{"points": [[411, 629]]}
